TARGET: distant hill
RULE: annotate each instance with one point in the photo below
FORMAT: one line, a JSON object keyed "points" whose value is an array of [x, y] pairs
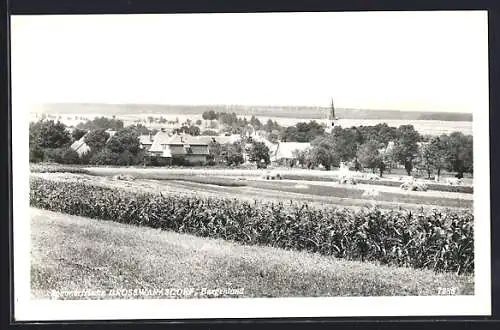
{"points": [[241, 110]]}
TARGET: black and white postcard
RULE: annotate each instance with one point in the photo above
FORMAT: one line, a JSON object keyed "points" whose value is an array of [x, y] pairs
{"points": [[187, 166]]}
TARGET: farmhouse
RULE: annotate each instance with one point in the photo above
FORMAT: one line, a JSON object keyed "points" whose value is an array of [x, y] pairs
{"points": [[82, 148], [180, 148], [285, 151]]}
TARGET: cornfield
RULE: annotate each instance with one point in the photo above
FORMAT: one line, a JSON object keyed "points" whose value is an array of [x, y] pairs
{"points": [[437, 240]]}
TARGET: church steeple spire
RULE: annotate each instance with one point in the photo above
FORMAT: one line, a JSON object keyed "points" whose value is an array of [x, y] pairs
{"points": [[332, 110], [331, 120]]}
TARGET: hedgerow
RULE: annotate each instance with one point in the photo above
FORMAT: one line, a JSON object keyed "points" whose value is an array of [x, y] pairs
{"points": [[437, 240]]}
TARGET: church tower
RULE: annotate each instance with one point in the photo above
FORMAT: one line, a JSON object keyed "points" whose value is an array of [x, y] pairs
{"points": [[331, 120]]}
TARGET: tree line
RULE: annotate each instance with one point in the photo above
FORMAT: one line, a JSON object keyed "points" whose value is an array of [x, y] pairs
{"points": [[378, 147], [51, 141], [370, 147]]}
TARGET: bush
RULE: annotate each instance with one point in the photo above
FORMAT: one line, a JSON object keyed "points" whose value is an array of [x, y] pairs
{"points": [[104, 157], [36, 154], [157, 161], [441, 241], [70, 156], [54, 155]]}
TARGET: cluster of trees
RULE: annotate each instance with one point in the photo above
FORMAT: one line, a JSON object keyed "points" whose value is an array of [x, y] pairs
{"points": [[232, 154], [368, 147], [101, 123], [192, 130], [302, 132], [240, 125], [51, 142], [358, 145], [123, 148], [161, 120], [452, 152]]}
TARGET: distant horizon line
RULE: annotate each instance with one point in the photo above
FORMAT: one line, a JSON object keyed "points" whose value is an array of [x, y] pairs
{"points": [[249, 105]]}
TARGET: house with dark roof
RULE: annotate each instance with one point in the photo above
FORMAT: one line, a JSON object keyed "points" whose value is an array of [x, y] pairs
{"points": [[183, 148]]}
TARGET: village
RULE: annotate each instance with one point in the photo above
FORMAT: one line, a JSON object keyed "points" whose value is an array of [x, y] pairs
{"points": [[224, 139]]}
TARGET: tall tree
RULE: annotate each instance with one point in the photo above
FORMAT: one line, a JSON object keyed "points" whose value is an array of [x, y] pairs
{"points": [[255, 122], [96, 139], [232, 153], [258, 152], [141, 129], [406, 146], [214, 152], [344, 143], [369, 156], [304, 157], [303, 132], [126, 139], [323, 153], [49, 134], [77, 134], [460, 153], [434, 155]]}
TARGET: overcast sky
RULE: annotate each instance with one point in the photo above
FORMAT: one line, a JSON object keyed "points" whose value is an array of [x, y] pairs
{"points": [[434, 61]]}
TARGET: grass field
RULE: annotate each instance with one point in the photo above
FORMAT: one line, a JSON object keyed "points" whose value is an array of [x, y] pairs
{"points": [[75, 253]]}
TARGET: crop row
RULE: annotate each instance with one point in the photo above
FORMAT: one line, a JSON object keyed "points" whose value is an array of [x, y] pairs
{"points": [[437, 240]]}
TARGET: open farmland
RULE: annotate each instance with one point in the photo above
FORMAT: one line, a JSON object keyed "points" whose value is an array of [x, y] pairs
{"points": [[288, 191], [341, 243], [75, 253], [365, 233]]}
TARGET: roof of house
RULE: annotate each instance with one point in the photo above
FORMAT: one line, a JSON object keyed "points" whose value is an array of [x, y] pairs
{"points": [[159, 140], [146, 139], [184, 139], [163, 138], [286, 149], [80, 146], [222, 139]]}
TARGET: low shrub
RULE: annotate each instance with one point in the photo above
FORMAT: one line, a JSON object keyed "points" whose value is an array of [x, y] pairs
{"points": [[437, 240], [61, 156]]}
